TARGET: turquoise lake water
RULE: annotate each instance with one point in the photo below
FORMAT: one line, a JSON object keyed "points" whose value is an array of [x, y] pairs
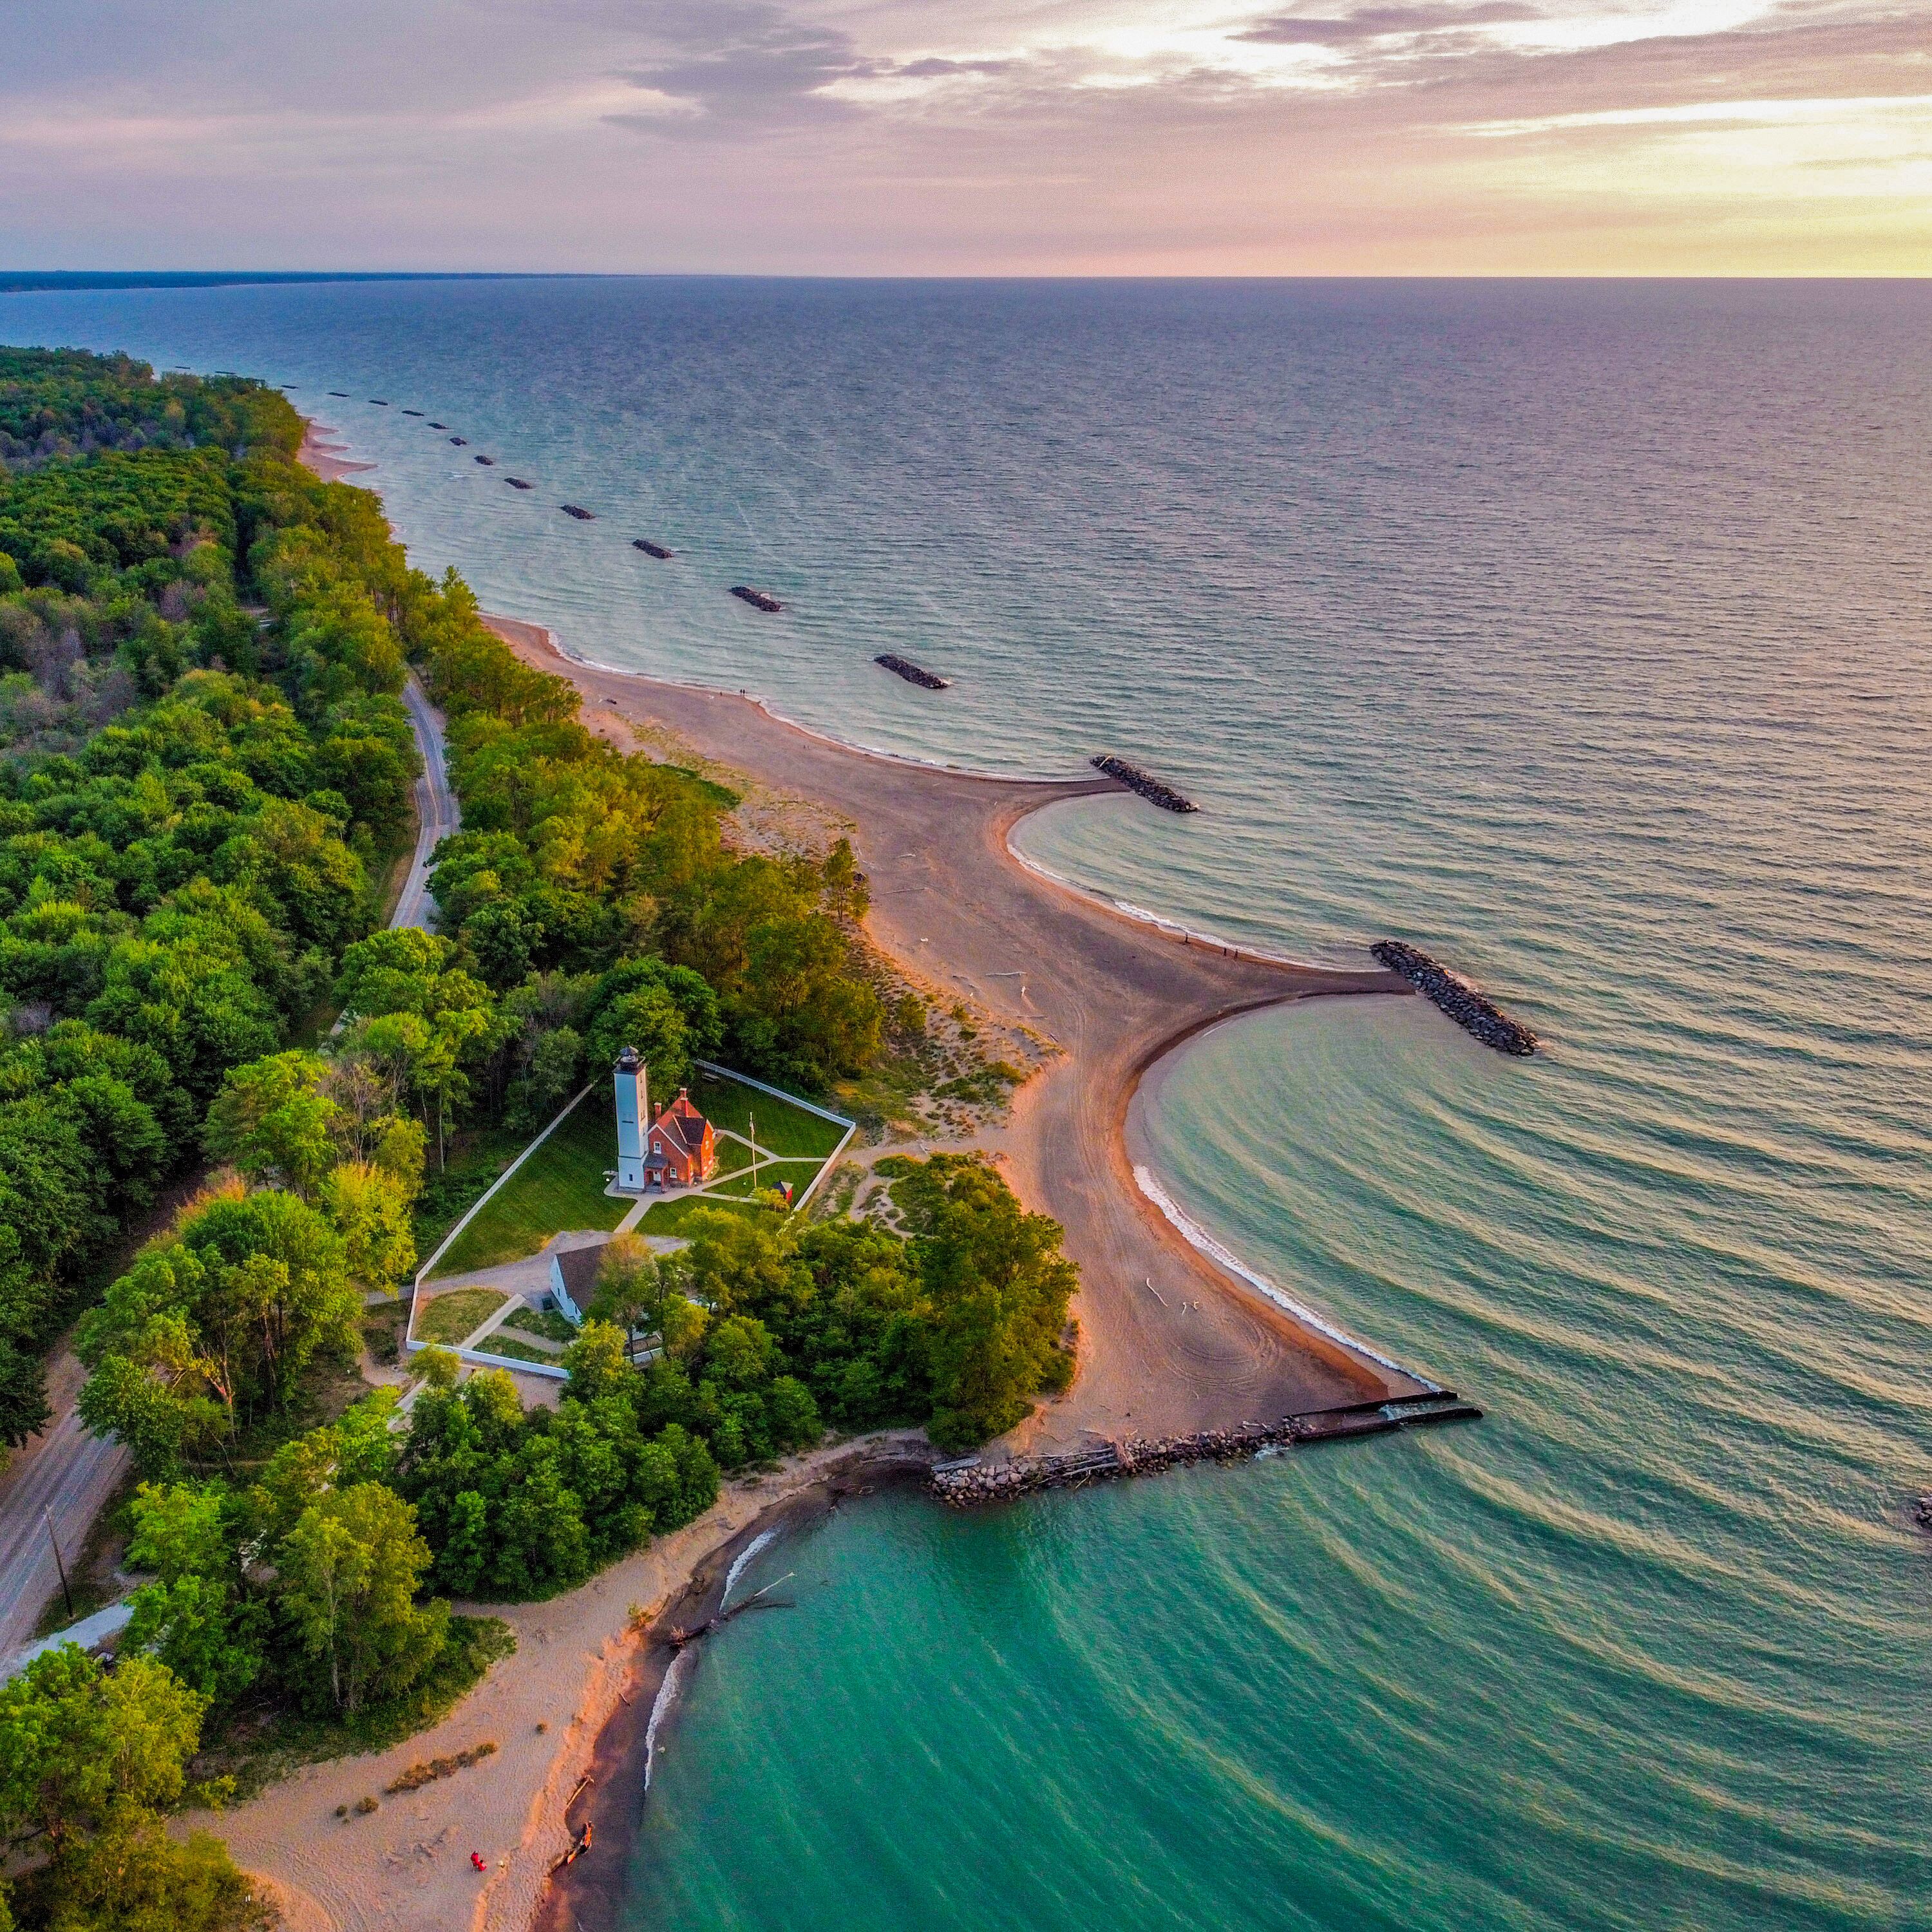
{"points": [[1578, 633]]}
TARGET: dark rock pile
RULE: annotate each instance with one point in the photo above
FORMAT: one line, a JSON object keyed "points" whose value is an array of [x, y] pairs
{"points": [[1456, 997], [759, 600], [1136, 1456], [413, 412], [378, 402], [517, 483], [965, 1485], [577, 511], [438, 425], [343, 393], [459, 440], [1151, 789], [912, 673], [650, 549], [487, 462]]}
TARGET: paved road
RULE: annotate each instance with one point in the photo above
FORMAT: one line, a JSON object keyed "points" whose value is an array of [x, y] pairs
{"points": [[437, 812], [63, 1469], [66, 1470]]}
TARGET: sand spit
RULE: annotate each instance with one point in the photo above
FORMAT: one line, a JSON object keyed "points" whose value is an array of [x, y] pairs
{"points": [[1200, 1349], [325, 458]]}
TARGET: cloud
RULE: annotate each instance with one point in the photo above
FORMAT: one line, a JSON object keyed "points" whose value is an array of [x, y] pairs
{"points": [[1376, 23], [746, 67], [951, 135]]}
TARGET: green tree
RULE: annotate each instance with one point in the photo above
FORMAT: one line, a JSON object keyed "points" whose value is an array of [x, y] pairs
{"points": [[1000, 1285], [194, 1617], [78, 1745], [350, 1569], [134, 1878], [371, 1210], [271, 1119]]}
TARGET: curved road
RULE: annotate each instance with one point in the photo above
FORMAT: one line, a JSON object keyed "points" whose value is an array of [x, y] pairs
{"points": [[64, 1470]]}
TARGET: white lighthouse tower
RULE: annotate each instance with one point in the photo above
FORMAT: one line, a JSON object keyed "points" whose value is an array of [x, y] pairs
{"points": [[629, 1072]]}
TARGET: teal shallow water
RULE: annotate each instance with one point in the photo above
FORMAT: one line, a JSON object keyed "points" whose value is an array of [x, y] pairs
{"points": [[1577, 634]]}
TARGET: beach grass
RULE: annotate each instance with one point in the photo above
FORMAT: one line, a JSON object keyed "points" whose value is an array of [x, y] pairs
{"points": [[447, 1318], [560, 1187]]}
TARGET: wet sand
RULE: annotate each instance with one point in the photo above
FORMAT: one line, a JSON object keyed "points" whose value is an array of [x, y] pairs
{"points": [[951, 903]]}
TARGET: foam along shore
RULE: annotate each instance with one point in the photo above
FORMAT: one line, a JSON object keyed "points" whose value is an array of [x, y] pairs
{"points": [[1172, 1343]]}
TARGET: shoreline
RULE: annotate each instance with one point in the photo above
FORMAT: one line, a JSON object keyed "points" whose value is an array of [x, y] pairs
{"points": [[587, 1895]]}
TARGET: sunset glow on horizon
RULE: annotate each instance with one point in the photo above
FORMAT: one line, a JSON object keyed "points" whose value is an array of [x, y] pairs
{"points": [[972, 136]]}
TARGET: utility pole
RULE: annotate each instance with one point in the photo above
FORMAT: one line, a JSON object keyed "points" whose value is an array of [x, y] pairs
{"points": [[47, 1515]]}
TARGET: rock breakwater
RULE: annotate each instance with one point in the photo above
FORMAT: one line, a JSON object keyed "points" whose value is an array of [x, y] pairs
{"points": [[966, 1485], [650, 549], [577, 511], [759, 600], [1150, 788], [1456, 997], [913, 673]]}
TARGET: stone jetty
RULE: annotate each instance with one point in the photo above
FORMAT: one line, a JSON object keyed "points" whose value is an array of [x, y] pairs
{"points": [[1456, 997], [913, 673], [965, 1485], [759, 600], [650, 549], [1150, 788], [577, 511]]}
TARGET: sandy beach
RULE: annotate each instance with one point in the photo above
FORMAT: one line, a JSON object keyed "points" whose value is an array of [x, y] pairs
{"points": [[325, 457]]}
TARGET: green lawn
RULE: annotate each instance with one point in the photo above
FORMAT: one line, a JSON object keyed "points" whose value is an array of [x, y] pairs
{"points": [[498, 1343], [742, 1182], [545, 1321], [448, 1318], [450, 1192], [783, 1128], [560, 1186], [673, 1217]]}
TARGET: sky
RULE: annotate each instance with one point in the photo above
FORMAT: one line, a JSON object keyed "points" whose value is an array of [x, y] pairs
{"points": [[1568, 137]]}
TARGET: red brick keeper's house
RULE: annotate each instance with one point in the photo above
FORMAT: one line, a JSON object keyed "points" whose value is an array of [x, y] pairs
{"points": [[682, 1149]]}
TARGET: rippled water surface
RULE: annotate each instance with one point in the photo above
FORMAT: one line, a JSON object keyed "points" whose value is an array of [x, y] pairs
{"points": [[1578, 633]]}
